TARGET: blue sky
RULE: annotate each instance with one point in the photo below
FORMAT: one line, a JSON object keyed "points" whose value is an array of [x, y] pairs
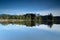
{"points": [[31, 6]]}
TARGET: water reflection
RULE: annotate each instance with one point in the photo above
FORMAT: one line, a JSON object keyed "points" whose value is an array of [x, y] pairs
{"points": [[21, 32], [32, 23]]}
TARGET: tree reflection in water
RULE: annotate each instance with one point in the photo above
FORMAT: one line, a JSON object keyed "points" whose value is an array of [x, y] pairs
{"points": [[31, 20]]}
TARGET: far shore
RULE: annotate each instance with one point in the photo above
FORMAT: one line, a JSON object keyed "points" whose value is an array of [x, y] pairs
{"points": [[12, 20]]}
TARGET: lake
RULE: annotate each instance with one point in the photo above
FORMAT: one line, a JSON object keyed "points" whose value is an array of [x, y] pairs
{"points": [[23, 32]]}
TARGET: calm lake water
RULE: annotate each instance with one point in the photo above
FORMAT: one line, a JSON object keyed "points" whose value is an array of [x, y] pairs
{"points": [[22, 32]]}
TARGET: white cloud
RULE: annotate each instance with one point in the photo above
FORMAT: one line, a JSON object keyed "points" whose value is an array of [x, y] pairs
{"points": [[55, 12]]}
